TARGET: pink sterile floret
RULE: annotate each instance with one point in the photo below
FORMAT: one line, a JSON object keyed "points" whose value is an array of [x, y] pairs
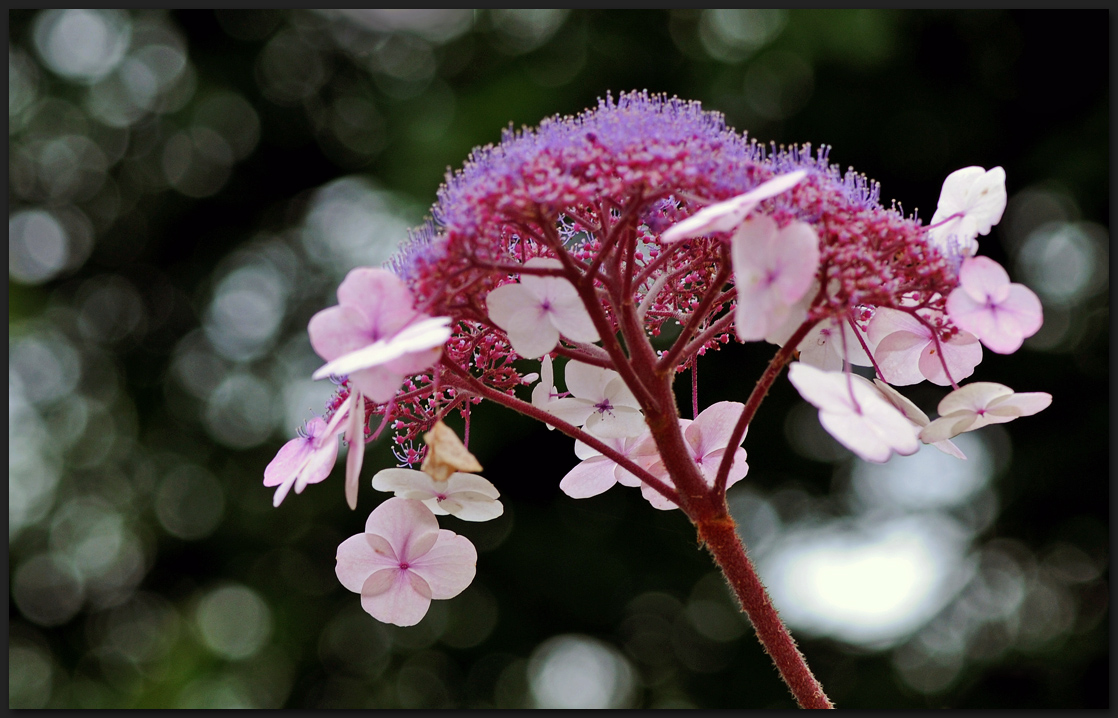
{"points": [[707, 437], [980, 404], [403, 560], [537, 310], [304, 460], [467, 496], [725, 216], [1002, 315], [597, 473], [375, 335], [906, 352], [773, 270], [855, 413]]}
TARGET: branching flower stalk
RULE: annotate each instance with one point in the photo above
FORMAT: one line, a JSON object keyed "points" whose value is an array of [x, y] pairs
{"points": [[589, 240]]}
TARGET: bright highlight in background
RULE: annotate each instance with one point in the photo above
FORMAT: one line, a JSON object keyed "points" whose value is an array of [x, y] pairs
{"points": [[870, 585]]}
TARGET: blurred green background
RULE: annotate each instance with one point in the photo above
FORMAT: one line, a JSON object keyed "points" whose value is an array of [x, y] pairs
{"points": [[187, 188]]}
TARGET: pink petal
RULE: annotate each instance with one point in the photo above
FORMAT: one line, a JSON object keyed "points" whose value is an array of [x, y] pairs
{"points": [[400, 603], [318, 466], [712, 428], [655, 498], [355, 435], [797, 259], [448, 566], [712, 461], [339, 330], [886, 321], [361, 556], [381, 296], [379, 383], [856, 434], [899, 355], [982, 278], [408, 526], [288, 461], [961, 354], [589, 478]]}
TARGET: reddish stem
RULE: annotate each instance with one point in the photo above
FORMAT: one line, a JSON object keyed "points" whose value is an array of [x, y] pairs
{"points": [[721, 539]]}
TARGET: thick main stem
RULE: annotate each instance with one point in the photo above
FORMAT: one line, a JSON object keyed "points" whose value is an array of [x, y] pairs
{"points": [[721, 539]]}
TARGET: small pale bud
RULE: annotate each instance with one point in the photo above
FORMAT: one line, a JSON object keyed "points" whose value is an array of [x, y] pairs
{"points": [[446, 454]]}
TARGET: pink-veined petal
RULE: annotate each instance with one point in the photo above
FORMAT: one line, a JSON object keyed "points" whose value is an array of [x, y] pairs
{"points": [[738, 469], [362, 555], [589, 478], [289, 460], [982, 278], [421, 341], [797, 259], [898, 356], [399, 603], [658, 500], [379, 383], [318, 466], [406, 524], [962, 353], [712, 428], [339, 330], [380, 295], [448, 566], [855, 433]]}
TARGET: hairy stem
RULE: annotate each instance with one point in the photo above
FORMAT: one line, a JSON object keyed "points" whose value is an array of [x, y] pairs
{"points": [[721, 539]]}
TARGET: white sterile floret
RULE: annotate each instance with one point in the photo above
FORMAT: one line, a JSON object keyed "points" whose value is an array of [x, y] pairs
{"points": [[535, 312], [600, 401], [917, 417], [971, 203], [980, 404], [467, 496], [544, 393], [855, 413]]}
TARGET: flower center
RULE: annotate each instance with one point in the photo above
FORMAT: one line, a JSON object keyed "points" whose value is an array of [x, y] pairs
{"points": [[404, 565], [604, 406], [440, 497]]}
